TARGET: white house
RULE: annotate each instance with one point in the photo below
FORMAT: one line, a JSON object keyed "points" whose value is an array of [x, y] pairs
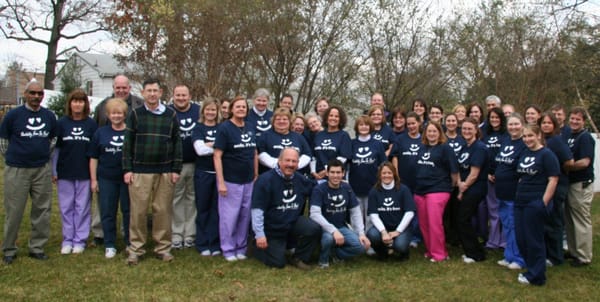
{"points": [[97, 73]]}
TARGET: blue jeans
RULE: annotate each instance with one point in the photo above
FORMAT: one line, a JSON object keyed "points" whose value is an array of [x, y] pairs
{"points": [[400, 244], [507, 217], [110, 193], [349, 249]]}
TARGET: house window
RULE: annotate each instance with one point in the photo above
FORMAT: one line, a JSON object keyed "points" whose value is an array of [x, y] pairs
{"points": [[89, 88]]}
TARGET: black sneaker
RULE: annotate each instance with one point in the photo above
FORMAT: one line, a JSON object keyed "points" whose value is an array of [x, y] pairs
{"points": [[579, 263], [301, 265]]}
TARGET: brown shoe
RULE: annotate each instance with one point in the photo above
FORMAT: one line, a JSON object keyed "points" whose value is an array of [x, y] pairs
{"points": [[166, 257], [301, 265], [132, 259]]}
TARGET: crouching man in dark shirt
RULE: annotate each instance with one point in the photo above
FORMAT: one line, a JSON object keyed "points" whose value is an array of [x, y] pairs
{"points": [[278, 200]]}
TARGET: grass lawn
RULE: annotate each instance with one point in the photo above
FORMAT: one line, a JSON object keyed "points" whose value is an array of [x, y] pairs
{"points": [[190, 277]]}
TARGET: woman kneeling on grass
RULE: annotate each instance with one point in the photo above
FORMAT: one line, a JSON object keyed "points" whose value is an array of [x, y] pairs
{"points": [[538, 169], [391, 209]]}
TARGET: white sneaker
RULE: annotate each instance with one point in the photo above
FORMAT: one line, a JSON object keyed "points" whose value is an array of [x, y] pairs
{"points": [[549, 263], [371, 251], [241, 257], [231, 258], [110, 252], [522, 279], [78, 249], [514, 265], [205, 253], [215, 253], [503, 262], [67, 249], [467, 260]]}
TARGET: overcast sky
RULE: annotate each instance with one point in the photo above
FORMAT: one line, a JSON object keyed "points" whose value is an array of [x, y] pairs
{"points": [[33, 55]]}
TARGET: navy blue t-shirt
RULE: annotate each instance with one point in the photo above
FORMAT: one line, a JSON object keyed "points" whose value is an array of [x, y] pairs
{"points": [[582, 145], [558, 145], [474, 155], [272, 143], [329, 145], [29, 134], [281, 200], [366, 158], [493, 141], [73, 142], [187, 121], [385, 135], [506, 167], [391, 205], [239, 148], [535, 167], [208, 135], [107, 148], [334, 203], [406, 149], [259, 124], [434, 166]]}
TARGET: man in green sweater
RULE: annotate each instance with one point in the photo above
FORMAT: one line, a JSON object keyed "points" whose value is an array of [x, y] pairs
{"points": [[152, 161]]}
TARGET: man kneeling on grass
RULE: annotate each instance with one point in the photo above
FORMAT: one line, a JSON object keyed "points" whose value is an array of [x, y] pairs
{"points": [[277, 203], [329, 206]]}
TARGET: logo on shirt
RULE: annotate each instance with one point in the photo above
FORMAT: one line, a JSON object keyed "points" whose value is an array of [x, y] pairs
{"points": [[325, 145], [424, 160], [286, 142], [288, 200], [210, 135], [263, 125], [463, 157], [571, 142], [363, 156], [77, 131], [363, 152], [245, 138], [493, 142], [117, 140], [288, 195], [186, 124], [507, 151], [336, 201], [33, 121], [414, 148], [525, 166], [247, 142], [527, 162], [378, 137], [388, 205], [455, 146], [77, 134]]}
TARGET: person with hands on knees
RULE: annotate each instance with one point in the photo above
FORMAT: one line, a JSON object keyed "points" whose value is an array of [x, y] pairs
{"points": [[330, 204], [278, 201], [391, 209]]}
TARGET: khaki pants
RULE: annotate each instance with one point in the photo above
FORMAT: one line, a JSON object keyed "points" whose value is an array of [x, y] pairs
{"points": [[19, 184], [184, 206], [578, 221], [155, 190]]}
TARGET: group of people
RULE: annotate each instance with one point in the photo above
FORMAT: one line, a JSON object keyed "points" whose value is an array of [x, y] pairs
{"points": [[218, 174]]}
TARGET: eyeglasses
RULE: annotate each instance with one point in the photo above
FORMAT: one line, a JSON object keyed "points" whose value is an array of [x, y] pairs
{"points": [[32, 92]]}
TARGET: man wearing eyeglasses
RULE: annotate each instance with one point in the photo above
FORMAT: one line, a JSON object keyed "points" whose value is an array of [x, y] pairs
{"points": [[278, 199], [27, 137]]}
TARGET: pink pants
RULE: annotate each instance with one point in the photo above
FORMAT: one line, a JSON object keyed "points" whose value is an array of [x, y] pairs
{"points": [[430, 210]]}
